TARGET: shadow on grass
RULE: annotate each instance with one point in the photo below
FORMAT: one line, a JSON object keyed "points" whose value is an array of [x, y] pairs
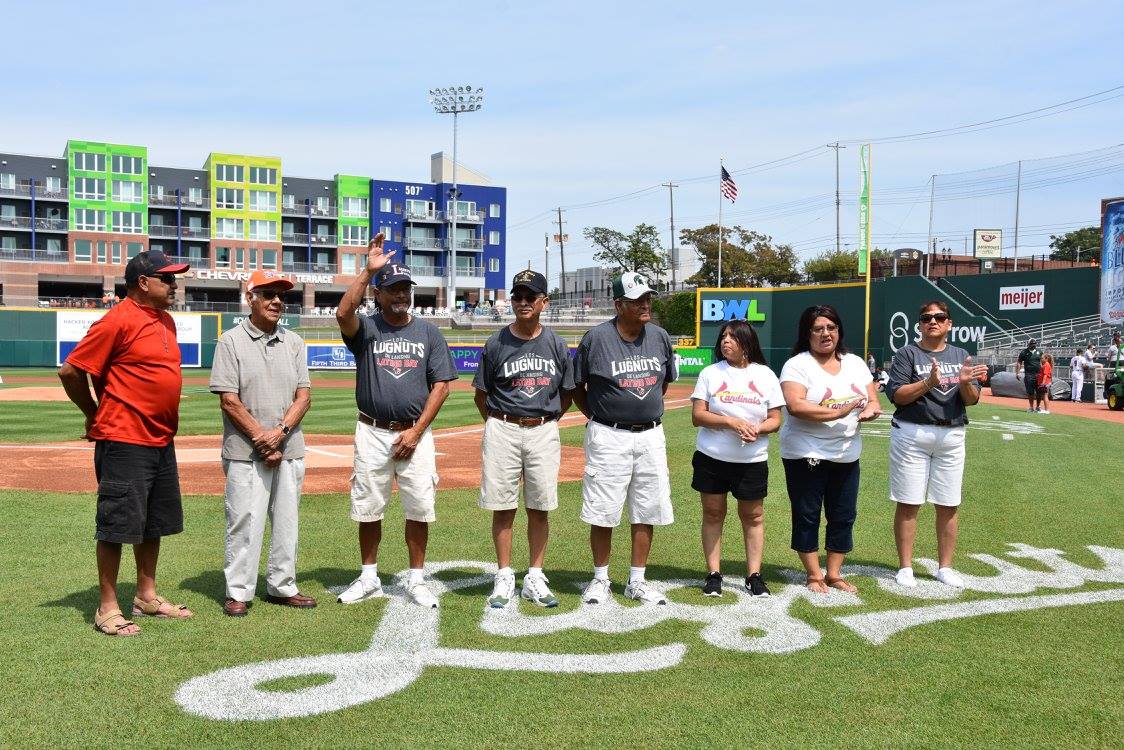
{"points": [[210, 583], [86, 600]]}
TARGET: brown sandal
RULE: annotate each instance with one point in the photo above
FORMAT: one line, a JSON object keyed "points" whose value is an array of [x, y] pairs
{"points": [[112, 623], [160, 607], [810, 580], [842, 584]]}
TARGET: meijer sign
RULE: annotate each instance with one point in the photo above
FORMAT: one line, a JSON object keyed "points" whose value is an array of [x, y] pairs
{"points": [[1022, 297]]}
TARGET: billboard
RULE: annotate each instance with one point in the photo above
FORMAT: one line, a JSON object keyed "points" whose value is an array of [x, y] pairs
{"points": [[987, 243], [1112, 261], [1030, 297], [71, 327], [690, 361]]}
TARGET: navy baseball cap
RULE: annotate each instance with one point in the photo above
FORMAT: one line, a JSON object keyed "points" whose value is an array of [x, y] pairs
{"points": [[392, 273], [150, 263], [533, 280]]}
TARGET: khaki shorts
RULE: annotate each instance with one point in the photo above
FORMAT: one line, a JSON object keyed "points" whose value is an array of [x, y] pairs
{"points": [[512, 452], [374, 472], [623, 466]]}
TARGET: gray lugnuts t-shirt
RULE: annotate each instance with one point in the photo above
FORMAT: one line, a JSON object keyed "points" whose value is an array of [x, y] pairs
{"points": [[624, 379], [911, 365], [395, 366], [523, 377]]}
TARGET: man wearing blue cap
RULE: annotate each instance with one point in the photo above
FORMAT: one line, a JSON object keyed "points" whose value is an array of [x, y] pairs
{"points": [[403, 371]]}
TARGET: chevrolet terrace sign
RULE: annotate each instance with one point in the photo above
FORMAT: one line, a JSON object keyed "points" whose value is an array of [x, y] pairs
{"points": [[296, 278]]}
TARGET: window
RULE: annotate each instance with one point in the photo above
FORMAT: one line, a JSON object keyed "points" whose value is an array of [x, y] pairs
{"points": [[127, 165], [195, 255], [228, 228], [387, 232], [384, 205], [239, 257], [269, 259], [288, 201], [229, 173], [89, 162], [7, 211], [494, 211], [89, 189], [195, 195], [155, 220], [263, 230], [7, 181], [354, 235], [322, 230], [132, 248], [228, 198], [8, 243], [493, 237], [419, 209], [83, 250], [493, 265], [263, 200], [155, 247], [102, 257], [222, 257], [194, 222], [127, 222], [355, 207], [323, 205], [89, 220], [263, 175], [156, 191], [54, 185], [115, 248], [127, 191], [465, 209]]}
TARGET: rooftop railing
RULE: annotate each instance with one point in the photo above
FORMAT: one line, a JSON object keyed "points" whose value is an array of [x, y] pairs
{"points": [[28, 222]]}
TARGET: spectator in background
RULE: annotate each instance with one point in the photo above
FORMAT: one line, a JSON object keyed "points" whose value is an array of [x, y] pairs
{"points": [[1045, 379], [871, 364], [1114, 353], [1030, 360], [1077, 365]]}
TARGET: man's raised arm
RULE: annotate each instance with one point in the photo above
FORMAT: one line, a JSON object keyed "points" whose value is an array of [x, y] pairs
{"points": [[376, 259]]}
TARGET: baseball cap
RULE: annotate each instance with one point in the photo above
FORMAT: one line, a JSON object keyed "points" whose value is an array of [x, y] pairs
{"points": [[1032, 342], [150, 263], [630, 285], [533, 280], [392, 273], [267, 278]]}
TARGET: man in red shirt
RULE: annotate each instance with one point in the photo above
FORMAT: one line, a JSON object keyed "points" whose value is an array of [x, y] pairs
{"points": [[133, 360]]}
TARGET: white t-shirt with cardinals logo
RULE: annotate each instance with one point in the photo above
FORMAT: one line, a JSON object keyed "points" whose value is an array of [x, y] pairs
{"points": [[839, 439], [744, 392]]}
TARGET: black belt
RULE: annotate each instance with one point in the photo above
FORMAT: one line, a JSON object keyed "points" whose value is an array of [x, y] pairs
{"points": [[629, 426], [387, 424], [522, 421], [932, 423]]}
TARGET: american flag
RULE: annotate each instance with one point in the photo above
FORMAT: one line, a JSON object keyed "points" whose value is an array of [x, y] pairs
{"points": [[728, 187]]}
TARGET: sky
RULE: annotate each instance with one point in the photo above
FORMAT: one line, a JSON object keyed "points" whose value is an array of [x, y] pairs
{"points": [[590, 101]]}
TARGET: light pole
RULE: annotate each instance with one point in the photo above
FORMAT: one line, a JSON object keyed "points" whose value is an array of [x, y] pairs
{"points": [[454, 100]]}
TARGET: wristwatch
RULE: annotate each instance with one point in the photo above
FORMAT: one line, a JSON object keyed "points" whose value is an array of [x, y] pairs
{"points": [[285, 429]]}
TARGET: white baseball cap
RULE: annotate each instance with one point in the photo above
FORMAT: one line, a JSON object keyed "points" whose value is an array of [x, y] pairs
{"points": [[630, 285]]}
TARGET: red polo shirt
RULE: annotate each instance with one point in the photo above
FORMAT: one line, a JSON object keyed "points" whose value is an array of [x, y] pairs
{"points": [[133, 356]]}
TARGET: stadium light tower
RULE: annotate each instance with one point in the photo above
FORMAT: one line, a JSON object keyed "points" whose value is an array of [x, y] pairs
{"points": [[455, 100]]}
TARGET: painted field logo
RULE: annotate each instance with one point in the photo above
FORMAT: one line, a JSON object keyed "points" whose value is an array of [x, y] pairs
{"points": [[1022, 297], [406, 641], [731, 309]]}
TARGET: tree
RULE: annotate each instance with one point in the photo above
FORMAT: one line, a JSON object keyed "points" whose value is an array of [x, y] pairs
{"points": [[1080, 244], [638, 251], [676, 313], [832, 265], [748, 258]]}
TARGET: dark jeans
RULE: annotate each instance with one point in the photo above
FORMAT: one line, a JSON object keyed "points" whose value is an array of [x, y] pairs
{"points": [[138, 492], [828, 485]]}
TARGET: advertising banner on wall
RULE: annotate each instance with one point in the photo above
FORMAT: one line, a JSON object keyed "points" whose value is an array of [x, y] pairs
{"points": [[71, 326], [1112, 261], [690, 361], [987, 243], [864, 208]]}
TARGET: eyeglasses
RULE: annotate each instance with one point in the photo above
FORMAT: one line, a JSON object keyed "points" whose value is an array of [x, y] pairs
{"points": [[820, 330], [267, 294], [167, 278], [525, 298], [929, 317]]}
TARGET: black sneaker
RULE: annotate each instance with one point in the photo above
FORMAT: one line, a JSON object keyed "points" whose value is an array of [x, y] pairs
{"points": [[755, 584], [713, 585]]}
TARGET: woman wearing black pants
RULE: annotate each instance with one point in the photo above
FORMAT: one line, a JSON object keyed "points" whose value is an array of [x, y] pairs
{"points": [[827, 393]]}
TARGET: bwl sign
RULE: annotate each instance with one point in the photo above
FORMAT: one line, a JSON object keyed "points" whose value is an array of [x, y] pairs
{"points": [[296, 278]]}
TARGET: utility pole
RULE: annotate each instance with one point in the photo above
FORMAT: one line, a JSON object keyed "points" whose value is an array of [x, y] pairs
{"points": [[1018, 192], [930, 242], [838, 202], [673, 255], [562, 254], [546, 259]]}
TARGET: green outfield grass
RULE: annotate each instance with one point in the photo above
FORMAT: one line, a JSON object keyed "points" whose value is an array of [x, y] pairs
{"points": [[1043, 678]]}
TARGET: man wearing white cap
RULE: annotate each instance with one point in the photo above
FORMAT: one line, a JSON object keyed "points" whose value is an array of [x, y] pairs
{"points": [[623, 368], [260, 373]]}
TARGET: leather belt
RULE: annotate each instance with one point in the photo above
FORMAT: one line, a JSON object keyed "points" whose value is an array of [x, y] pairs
{"points": [[521, 421], [386, 424], [629, 426]]}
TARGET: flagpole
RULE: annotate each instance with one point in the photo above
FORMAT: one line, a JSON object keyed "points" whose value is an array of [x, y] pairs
{"points": [[869, 252], [720, 168]]}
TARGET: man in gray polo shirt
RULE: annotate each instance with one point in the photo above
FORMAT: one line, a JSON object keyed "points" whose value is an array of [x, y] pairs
{"points": [[261, 375], [622, 369]]}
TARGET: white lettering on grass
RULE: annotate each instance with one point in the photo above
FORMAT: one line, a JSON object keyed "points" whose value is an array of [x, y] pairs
{"points": [[406, 640]]}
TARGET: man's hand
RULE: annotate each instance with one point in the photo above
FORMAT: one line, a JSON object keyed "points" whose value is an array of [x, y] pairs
{"points": [[268, 441], [405, 444], [376, 256], [273, 460], [89, 426], [970, 372]]}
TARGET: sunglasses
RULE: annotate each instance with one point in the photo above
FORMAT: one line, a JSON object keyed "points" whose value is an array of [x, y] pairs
{"points": [[818, 330], [929, 317], [524, 297], [267, 294], [167, 278]]}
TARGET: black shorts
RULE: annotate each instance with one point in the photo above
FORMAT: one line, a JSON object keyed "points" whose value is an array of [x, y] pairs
{"points": [[743, 481], [1030, 384], [138, 492]]}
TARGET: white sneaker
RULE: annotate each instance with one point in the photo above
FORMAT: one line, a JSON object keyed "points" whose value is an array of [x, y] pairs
{"points": [[950, 577], [535, 590], [503, 591], [597, 592], [905, 578], [1043, 411], [420, 595], [643, 592], [360, 590]]}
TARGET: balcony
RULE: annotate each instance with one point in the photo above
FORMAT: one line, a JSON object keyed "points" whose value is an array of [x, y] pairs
{"points": [[470, 244], [194, 233], [201, 204], [23, 190], [299, 267], [39, 224], [27, 255], [429, 216], [470, 217], [309, 209], [299, 238], [423, 243]]}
